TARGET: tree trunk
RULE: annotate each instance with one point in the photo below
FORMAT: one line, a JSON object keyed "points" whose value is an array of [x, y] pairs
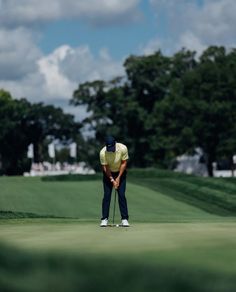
{"points": [[38, 157], [210, 161], [232, 165]]}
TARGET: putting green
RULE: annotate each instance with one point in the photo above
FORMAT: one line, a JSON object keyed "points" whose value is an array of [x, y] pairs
{"points": [[205, 244]]}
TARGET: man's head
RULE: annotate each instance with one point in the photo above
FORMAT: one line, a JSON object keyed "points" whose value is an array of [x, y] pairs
{"points": [[110, 144]]}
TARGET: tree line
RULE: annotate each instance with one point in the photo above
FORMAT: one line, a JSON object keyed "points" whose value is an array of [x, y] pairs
{"points": [[164, 106], [23, 123]]}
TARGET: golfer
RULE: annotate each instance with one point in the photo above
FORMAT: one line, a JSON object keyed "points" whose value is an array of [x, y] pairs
{"points": [[113, 158]]}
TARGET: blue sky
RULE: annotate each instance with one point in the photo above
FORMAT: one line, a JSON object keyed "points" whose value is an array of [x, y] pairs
{"points": [[48, 47], [120, 39]]}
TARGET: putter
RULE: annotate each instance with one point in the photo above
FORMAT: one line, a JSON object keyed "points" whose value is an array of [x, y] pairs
{"points": [[114, 212]]}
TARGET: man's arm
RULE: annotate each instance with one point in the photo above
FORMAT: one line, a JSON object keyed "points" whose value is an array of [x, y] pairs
{"points": [[123, 167], [107, 171]]}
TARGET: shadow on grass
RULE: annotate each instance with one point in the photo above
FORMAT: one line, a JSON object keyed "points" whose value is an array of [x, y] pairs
{"points": [[19, 215], [72, 177], [24, 271]]}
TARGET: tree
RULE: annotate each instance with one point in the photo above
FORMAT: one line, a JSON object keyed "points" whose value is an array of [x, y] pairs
{"points": [[167, 106], [211, 86], [111, 110], [200, 109], [13, 137], [172, 119], [23, 123], [48, 122]]}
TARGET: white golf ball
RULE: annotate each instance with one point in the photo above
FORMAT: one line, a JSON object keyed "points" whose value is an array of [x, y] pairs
{"points": [[117, 225]]}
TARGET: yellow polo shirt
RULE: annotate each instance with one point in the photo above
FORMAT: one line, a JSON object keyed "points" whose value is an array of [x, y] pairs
{"points": [[113, 159]]}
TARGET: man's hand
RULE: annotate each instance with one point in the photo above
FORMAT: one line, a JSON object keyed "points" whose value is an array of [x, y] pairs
{"points": [[113, 182], [117, 182]]}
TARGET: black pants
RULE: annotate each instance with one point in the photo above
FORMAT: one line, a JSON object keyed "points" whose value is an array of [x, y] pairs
{"points": [[107, 186]]}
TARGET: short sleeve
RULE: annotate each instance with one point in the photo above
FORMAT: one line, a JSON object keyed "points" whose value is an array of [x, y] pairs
{"points": [[125, 155], [103, 160]]}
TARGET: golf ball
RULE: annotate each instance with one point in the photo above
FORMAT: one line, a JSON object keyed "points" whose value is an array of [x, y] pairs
{"points": [[117, 225]]}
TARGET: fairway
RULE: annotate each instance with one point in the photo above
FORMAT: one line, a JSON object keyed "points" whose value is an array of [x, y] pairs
{"points": [[82, 200], [176, 242]]}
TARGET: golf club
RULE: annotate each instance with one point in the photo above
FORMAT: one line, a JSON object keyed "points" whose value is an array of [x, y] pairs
{"points": [[114, 212], [114, 209]]}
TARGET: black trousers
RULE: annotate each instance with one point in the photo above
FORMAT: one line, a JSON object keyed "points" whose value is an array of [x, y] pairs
{"points": [[107, 186]]}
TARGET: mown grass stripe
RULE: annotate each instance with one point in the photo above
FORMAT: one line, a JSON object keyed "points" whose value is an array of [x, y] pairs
{"points": [[205, 199]]}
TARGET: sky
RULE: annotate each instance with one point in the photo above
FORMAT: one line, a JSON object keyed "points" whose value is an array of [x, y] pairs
{"points": [[47, 48]]}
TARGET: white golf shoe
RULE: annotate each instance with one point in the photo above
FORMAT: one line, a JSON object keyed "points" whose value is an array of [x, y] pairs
{"points": [[125, 223], [104, 222]]}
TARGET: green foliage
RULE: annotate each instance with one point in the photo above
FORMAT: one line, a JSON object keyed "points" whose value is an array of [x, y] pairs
{"points": [[47, 123], [213, 100], [167, 106], [23, 123], [13, 134]]}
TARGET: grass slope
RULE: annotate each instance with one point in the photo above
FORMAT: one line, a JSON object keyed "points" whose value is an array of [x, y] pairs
{"points": [[215, 195], [153, 196], [33, 197]]}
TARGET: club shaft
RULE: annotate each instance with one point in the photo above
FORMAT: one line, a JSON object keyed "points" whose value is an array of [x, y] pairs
{"points": [[114, 210]]}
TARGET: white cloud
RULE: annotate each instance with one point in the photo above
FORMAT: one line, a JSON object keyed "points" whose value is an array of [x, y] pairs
{"points": [[216, 21], [191, 41], [15, 12], [56, 84], [195, 26], [26, 72], [18, 53], [81, 65], [29, 87], [151, 47], [58, 74], [64, 68]]}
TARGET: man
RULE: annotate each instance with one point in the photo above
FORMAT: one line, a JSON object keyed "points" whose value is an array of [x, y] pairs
{"points": [[113, 158]]}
